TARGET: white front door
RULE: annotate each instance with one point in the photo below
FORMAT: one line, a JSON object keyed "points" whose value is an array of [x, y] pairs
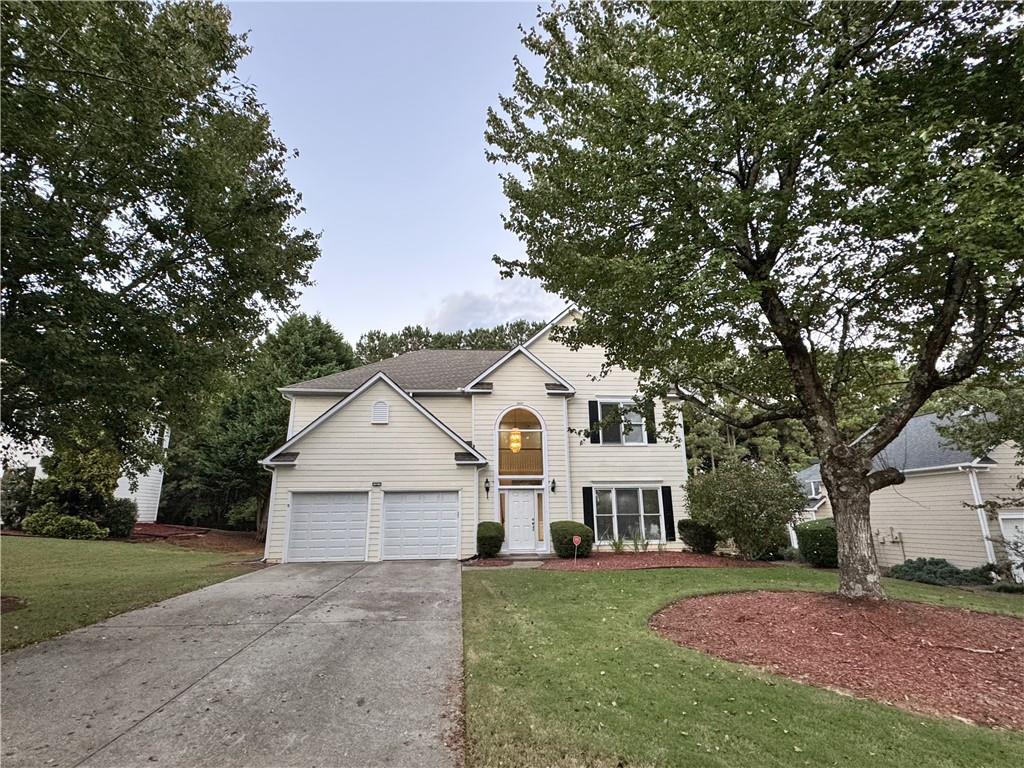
{"points": [[520, 511]]}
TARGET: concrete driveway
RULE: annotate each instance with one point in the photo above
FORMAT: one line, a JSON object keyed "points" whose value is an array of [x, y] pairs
{"points": [[297, 665]]}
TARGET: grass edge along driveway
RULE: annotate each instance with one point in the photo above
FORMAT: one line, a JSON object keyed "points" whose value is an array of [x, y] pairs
{"points": [[70, 584], [562, 670]]}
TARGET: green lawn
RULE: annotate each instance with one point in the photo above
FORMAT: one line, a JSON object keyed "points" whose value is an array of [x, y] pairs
{"points": [[68, 584], [561, 670]]}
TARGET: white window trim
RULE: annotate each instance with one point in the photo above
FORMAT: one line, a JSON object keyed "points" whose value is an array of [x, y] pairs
{"points": [[640, 500], [631, 404]]}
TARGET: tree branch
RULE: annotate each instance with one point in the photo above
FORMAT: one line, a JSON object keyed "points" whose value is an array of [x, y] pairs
{"points": [[781, 414], [883, 478]]}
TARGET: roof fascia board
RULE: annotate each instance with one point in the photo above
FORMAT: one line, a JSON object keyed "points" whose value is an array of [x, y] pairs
{"points": [[543, 331], [379, 376]]}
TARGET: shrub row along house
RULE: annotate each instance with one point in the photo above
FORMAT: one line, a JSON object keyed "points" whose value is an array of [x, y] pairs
{"points": [[938, 512], [403, 458]]}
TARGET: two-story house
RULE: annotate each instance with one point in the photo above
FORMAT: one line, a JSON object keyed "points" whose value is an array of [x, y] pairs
{"points": [[403, 458]]}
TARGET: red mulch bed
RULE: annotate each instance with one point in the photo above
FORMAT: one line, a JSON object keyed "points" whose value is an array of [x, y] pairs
{"points": [[939, 661], [489, 562], [631, 561]]}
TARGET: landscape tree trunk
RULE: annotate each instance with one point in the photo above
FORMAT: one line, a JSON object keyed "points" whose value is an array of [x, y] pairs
{"points": [[849, 493]]}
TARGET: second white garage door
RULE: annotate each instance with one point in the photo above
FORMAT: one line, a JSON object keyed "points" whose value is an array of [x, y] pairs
{"points": [[420, 526]]}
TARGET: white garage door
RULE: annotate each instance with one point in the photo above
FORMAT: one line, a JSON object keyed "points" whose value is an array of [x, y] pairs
{"points": [[421, 526], [327, 526]]}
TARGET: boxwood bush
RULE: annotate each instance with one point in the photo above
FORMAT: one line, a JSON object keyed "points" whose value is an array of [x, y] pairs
{"points": [[489, 536], [935, 570], [561, 538], [818, 545], [698, 536], [49, 521]]}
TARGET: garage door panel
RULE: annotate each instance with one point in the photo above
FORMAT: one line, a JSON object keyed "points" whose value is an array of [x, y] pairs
{"points": [[327, 526], [420, 525]]}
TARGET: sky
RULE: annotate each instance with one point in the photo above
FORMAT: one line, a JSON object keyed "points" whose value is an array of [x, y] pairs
{"points": [[386, 104]]}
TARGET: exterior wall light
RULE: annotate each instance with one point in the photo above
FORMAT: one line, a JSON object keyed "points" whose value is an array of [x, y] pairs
{"points": [[553, 485], [487, 487]]}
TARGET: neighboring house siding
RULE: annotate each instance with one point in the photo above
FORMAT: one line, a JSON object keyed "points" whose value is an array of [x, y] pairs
{"points": [[1001, 478], [927, 513], [348, 453], [306, 408], [661, 463], [146, 494]]}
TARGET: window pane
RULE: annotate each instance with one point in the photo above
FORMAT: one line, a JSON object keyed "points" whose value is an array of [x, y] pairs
{"points": [[634, 435], [540, 516], [604, 502], [627, 511], [652, 514], [612, 431], [652, 527], [651, 501], [604, 532]]}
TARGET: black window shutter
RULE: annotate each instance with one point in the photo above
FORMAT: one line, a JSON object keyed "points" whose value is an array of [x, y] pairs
{"points": [[670, 518], [588, 507], [595, 433], [650, 427]]}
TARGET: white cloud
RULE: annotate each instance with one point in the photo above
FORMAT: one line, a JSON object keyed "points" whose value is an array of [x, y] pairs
{"points": [[514, 299]]}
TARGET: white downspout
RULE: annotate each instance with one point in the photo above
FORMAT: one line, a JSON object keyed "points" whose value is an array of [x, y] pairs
{"points": [[979, 505], [568, 470]]}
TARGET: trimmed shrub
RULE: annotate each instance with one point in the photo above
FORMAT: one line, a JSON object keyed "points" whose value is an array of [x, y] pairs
{"points": [[749, 503], [698, 536], [1010, 587], [119, 517], [818, 544], [489, 537], [935, 570], [49, 522], [68, 527], [40, 522], [561, 538]]}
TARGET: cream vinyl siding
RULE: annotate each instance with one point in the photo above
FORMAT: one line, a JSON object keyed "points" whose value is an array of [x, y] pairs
{"points": [[455, 411], [592, 464], [348, 453], [1001, 478], [520, 383], [306, 408], [927, 512]]}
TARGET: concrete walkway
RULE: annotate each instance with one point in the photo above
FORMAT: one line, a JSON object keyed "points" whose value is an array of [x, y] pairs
{"points": [[325, 665]]}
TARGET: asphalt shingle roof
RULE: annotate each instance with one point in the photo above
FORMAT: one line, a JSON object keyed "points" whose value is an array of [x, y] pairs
{"points": [[918, 446], [423, 369]]}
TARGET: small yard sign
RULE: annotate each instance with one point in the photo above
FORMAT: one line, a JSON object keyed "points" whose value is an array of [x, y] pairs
{"points": [[576, 541]]}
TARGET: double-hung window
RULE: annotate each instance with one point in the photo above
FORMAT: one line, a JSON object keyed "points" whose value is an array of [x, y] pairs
{"points": [[627, 513], [621, 423]]}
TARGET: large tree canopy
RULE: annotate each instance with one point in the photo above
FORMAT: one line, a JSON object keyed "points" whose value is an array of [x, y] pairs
{"points": [[772, 202], [213, 471], [147, 231]]}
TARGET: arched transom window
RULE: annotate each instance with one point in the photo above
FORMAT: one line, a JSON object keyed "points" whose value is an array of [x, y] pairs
{"points": [[520, 445]]}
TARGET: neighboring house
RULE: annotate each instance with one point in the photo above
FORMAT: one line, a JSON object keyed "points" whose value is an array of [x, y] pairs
{"points": [[403, 458], [147, 487], [937, 511]]}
